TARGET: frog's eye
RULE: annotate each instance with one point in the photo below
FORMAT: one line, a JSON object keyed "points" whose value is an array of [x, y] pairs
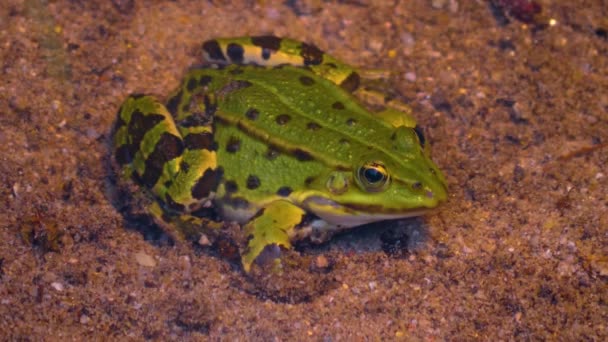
{"points": [[373, 176], [420, 135]]}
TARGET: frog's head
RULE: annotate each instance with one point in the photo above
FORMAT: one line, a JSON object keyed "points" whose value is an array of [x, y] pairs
{"points": [[398, 182]]}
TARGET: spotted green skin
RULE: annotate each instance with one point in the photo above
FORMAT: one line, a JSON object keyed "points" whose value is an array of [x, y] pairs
{"points": [[285, 149]]}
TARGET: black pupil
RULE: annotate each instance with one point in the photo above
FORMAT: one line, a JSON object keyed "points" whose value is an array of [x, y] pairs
{"points": [[373, 175]]}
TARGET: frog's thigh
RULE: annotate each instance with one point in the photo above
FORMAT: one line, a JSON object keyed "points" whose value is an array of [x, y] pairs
{"points": [[270, 226], [147, 142]]}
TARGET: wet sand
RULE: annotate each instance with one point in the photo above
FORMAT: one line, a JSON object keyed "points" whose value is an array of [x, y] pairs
{"points": [[516, 112]]}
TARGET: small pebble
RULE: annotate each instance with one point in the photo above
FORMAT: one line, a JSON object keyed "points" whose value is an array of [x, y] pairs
{"points": [[438, 4], [144, 259], [204, 240], [407, 39], [410, 76], [321, 262], [84, 319], [57, 286]]}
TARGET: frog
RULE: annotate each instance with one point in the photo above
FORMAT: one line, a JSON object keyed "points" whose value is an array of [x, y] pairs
{"points": [[270, 133]]}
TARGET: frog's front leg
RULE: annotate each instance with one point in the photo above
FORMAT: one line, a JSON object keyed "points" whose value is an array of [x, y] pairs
{"points": [[271, 226], [178, 168]]}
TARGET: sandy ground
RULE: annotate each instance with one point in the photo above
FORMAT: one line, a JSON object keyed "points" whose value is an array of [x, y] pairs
{"points": [[517, 114]]}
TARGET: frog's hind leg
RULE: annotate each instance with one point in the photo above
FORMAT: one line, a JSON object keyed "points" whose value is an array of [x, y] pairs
{"points": [[179, 170], [274, 51], [147, 145]]}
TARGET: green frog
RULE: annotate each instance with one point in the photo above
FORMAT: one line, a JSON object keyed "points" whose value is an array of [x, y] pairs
{"points": [[271, 134]]}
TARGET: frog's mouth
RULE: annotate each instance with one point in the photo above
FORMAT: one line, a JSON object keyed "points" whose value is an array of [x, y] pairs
{"points": [[351, 215]]}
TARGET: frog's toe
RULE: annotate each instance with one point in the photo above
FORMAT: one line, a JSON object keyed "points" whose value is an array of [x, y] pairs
{"points": [[267, 259], [267, 256], [268, 228]]}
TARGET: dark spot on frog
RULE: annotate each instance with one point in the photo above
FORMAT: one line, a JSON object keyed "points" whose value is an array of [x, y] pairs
{"points": [[235, 52], [174, 102], [302, 155], [252, 114], [416, 185], [309, 180], [185, 107], [306, 81], [271, 153], [192, 84], [337, 105], [351, 83], [207, 183], [420, 134], [174, 205], [200, 141], [205, 80], [139, 125], [253, 182], [193, 120], [210, 106], [284, 191], [351, 122], [233, 145], [236, 71], [124, 154], [332, 65], [283, 119], [231, 186], [343, 141], [313, 126], [167, 148], [258, 214], [213, 49], [267, 42], [311, 54], [184, 166], [233, 86]]}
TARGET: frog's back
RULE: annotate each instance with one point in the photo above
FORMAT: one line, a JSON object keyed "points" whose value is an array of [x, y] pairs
{"points": [[305, 116]]}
